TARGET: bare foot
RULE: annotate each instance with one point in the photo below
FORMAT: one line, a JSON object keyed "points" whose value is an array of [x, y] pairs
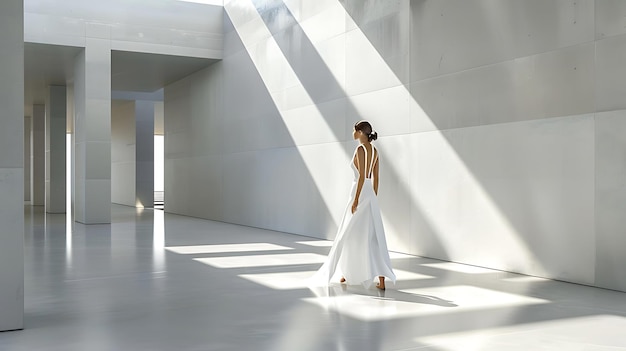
{"points": [[342, 280]]}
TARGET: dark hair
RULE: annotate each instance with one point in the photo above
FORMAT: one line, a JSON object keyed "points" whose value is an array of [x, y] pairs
{"points": [[366, 128]]}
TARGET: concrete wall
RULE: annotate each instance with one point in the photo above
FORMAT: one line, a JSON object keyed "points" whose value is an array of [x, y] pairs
{"points": [[168, 27], [501, 127]]}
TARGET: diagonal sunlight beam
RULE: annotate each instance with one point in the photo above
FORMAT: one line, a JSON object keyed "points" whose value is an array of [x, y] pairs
{"points": [[262, 260], [224, 248], [276, 73], [326, 88], [303, 88]]}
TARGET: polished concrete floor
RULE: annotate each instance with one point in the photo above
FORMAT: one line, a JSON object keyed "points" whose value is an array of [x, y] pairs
{"points": [[151, 281]]}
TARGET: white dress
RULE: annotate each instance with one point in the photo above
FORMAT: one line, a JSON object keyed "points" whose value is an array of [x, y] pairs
{"points": [[359, 252]]}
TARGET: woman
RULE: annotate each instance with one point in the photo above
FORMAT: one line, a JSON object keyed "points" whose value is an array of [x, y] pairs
{"points": [[359, 252]]}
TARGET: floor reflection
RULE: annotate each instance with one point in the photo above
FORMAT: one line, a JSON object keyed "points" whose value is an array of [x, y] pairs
{"points": [[118, 287], [158, 242]]}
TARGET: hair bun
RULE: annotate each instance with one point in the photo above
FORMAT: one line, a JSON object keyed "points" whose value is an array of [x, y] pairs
{"points": [[373, 136]]}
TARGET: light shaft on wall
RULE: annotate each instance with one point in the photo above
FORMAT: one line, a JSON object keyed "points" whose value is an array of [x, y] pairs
{"points": [[277, 73], [259, 44]]}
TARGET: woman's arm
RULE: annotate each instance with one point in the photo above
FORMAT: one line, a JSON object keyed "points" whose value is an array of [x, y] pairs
{"points": [[375, 175], [360, 165]]}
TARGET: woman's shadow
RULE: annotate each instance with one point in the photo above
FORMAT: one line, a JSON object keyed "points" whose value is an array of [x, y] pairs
{"points": [[398, 295], [336, 290]]}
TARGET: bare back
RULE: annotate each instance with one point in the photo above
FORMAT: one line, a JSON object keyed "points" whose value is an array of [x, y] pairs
{"points": [[371, 160]]}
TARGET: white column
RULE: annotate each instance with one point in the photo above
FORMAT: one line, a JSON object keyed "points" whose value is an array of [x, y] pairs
{"points": [[27, 156], [70, 129], [11, 165], [123, 150], [92, 102], [56, 125], [38, 160], [144, 159]]}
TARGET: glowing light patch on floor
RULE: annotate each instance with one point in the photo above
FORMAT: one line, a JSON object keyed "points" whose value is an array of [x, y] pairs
{"points": [[421, 302], [206, 2], [525, 279], [597, 333], [299, 280], [262, 260], [210, 249], [282, 280], [317, 243], [457, 267], [158, 241], [402, 275], [398, 255]]}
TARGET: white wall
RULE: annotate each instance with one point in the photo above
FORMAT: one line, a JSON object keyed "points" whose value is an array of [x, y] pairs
{"points": [[167, 27], [501, 127], [123, 152]]}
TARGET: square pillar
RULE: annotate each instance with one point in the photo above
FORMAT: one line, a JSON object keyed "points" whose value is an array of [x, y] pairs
{"points": [[11, 165], [144, 153], [123, 150], [38, 159], [70, 129], [56, 125], [92, 138], [27, 156]]}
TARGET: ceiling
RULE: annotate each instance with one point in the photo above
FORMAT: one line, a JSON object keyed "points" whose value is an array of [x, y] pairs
{"points": [[132, 71], [46, 65]]}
